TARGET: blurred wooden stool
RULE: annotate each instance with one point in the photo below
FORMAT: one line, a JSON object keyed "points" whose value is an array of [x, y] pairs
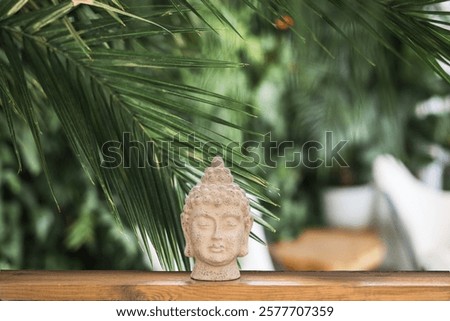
{"points": [[330, 250]]}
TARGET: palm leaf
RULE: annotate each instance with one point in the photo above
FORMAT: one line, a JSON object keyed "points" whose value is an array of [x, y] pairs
{"points": [[107, 70], [409, 21], [21, 95], [10, 7], [9, 104], [99, 90]]}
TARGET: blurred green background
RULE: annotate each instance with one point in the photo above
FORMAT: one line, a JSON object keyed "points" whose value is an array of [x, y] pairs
{"points": [[33, 235], [328, 72]]}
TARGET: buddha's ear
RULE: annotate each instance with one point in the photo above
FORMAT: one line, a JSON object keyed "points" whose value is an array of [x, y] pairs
{"points": [[184, 225], [249, 225], [248, 228]]}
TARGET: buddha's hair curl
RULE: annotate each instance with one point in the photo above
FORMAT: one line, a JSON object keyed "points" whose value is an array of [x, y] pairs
{"points": [[217, 188]]}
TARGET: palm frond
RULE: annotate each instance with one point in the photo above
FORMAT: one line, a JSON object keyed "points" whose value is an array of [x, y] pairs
{"points": [[9, 104], [104, 79], [19, 91], [10, 7], [108, 68], [411, 22]]}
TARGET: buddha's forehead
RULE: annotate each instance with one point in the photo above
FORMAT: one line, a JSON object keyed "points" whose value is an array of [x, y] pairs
{"points": [[219, 210]]}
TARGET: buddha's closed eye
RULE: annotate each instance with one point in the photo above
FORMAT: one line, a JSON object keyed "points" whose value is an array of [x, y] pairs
{"points": [[231, 222], [204, 222]]}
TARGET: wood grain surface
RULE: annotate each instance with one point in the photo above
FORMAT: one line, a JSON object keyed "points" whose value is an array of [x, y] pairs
{"points": [[261, 286]]}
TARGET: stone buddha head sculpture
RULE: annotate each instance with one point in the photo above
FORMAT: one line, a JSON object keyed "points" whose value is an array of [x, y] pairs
{"points": [[216, 223]]}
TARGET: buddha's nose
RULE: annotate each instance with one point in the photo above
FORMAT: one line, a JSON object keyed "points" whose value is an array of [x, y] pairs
{"points": [[217, 235]]}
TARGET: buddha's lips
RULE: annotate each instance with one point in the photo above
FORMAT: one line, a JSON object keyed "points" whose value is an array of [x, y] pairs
{"points": [[217, 248]]}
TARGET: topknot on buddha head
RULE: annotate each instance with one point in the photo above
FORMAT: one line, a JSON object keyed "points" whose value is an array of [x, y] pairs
{"points": [[217, 174], [217, 188]]}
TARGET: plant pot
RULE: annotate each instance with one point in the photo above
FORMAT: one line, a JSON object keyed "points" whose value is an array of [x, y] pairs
{"points": [[349, 207]]}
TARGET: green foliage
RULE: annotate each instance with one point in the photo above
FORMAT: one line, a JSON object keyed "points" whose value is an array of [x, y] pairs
{"points": [[353, 68], [32, 234], [169, 71], [106, 71], [428, 140]]}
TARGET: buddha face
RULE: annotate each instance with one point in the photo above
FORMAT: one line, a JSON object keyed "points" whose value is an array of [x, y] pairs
{"points": [[217, 235]]}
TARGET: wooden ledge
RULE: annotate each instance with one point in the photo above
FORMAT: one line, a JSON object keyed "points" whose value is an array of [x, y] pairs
{"points": [[258, 286]]}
